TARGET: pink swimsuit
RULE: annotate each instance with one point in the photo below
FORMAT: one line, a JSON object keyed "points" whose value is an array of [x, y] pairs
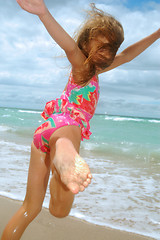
{"points": [[76, 107]]}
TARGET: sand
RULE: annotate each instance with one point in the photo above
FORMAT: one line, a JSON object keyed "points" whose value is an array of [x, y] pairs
{"points": [[45, 226]]}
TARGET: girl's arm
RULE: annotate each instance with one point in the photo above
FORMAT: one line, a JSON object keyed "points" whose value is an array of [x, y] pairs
{"points": [[133, 51], [61, 37]]}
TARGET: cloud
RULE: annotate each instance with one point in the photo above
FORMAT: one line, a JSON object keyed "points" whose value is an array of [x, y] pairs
{"points": [[31, 61]]}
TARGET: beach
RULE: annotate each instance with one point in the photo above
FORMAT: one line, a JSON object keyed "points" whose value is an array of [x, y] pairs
{"points": [[123, 154], [45, 226]]}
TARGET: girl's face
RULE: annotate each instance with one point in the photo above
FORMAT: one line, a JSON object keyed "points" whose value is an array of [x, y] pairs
{"points": [[94, 42], [98, 54]]}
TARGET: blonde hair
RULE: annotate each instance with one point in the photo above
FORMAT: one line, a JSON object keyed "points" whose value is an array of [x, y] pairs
{"points": [[98, 26]]}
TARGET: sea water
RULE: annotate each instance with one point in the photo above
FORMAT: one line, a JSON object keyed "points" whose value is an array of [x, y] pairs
{"points": [[124, 157]]}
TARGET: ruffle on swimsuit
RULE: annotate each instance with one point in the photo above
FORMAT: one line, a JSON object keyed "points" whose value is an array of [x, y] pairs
{"points": [[63, 106], [80, 102]]}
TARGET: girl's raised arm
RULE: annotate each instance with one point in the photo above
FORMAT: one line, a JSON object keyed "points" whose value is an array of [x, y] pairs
{"points": [[61, 37], [133, 51]]}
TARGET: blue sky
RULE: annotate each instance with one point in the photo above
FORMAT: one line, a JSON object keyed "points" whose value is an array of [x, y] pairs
{"points": [[140, 4], [33, 69]]}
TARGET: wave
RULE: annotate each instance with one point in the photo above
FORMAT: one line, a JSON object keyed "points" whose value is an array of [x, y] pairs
{"points": [[5, 128], [22, 119], [114, 118], [154, 121], [15, 146], [128, 119], [6, 115], [122, 150], [29, 111], [11, 195], [118, 118]]}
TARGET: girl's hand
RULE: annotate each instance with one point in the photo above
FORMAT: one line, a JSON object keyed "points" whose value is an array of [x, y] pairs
{"points": [[36, 7]]}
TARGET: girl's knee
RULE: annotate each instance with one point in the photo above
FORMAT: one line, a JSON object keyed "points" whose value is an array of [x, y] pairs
{"points": [[60, 206], [59, 212]]}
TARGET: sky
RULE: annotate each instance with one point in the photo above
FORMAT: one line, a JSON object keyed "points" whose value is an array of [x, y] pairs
{"points": [[34, 70]]}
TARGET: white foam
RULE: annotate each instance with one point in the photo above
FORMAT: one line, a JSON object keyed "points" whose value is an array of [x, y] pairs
{"points": [[108, 118], [119, 118], [10, 195], [154, 121], [104, 224], [6, 115], [77, 214], [128, 119], [4, 128], [15, 146], [114, 118], [29, 111], [89, 146]]}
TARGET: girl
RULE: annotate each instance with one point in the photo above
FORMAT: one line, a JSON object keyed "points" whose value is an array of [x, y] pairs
{"points": [[56, 142]]}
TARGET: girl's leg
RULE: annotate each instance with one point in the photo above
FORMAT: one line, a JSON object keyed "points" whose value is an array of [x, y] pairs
{"points": [[71, 173], [61, 198], [38, 175]]}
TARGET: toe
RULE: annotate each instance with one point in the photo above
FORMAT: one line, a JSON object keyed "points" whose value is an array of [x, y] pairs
{"points": [[90, 175], [85, 184], [88, 180], [73, 187], [81, 188]]}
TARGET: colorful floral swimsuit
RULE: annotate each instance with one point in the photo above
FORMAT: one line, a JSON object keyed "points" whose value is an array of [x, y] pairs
{"points": [[76, 107]]}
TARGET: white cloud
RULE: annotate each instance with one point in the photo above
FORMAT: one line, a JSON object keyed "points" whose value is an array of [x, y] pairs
{"points": [[29, 57]]}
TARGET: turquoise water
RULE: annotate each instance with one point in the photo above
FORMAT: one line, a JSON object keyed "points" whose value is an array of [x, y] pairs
{"points": [[124, 157]]}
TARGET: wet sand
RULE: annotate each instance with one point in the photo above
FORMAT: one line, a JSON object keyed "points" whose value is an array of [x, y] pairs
{"points": [[45, 226]]}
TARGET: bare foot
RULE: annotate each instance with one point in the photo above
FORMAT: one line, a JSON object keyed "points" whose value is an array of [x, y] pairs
{"points": [[73, 170]]}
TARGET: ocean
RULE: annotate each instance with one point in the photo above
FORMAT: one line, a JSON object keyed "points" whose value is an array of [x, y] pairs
{"points": [[124, 157]]}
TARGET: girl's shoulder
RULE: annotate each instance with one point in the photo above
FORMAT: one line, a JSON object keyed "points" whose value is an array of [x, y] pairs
{"points": [[93, 79]]}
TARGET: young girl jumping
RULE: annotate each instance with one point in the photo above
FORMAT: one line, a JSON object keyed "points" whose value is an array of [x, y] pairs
{"points": [[56, 142]]}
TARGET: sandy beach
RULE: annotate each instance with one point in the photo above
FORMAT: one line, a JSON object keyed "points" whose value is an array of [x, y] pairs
{"points": [[45, 226]]}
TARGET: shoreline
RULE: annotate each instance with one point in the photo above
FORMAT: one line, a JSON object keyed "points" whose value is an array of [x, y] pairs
{"points": [[45, 226]]}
